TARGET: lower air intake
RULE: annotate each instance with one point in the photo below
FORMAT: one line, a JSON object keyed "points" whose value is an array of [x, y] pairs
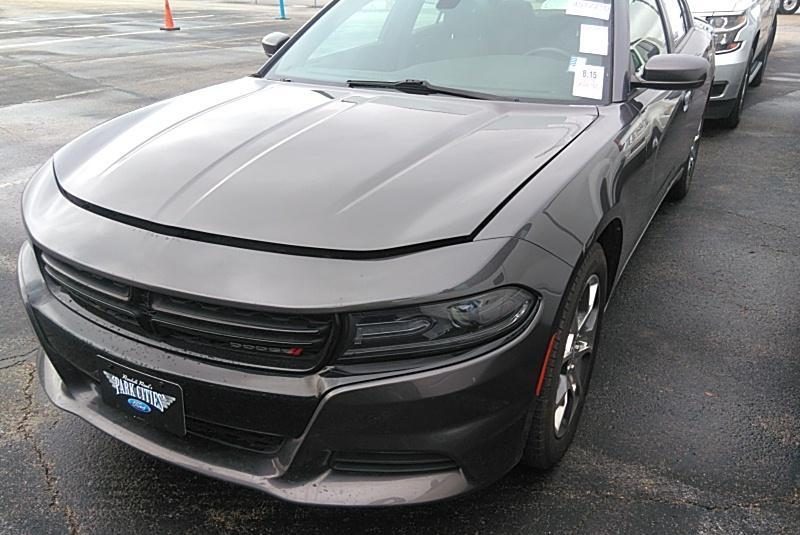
{"points": [[233, 437], [385, 462]]}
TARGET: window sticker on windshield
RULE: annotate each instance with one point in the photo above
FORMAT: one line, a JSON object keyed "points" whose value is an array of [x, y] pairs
{"points": [[588, 82], [575, 62], [587, 8], [594, 40]]}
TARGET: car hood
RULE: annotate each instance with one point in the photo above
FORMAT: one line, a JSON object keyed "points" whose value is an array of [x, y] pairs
{"points": [[707, 7], [283, 163]]}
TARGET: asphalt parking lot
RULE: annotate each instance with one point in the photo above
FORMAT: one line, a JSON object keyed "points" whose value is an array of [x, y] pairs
{"points": [[693, 423]]}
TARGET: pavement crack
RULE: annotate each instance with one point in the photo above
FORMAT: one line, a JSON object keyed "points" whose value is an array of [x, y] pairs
{"points": [[25, 428], [13, 364], [19, 355], [749, 218], [711, 507], [98, 84]]}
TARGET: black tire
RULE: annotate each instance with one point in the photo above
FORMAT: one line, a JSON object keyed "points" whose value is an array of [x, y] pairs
{"points": [[767, 49], [681, 187], [735, 116], [545, 445], [788, 7]]}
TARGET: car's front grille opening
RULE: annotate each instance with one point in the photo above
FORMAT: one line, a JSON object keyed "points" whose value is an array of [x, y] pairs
{"points": [[223, 333], [252, 335], [391, 462], [234, 437], [86, 284]]}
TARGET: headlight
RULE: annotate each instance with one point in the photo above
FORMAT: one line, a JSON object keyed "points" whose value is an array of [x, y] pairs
{"points": [[436, 328], [726, 29]]}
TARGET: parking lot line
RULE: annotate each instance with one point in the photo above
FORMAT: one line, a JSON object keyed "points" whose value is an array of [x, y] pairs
{"points": [[783, 79], [237, 43], [73, 39], [81, 93], [196, 17], [13, 183], [81, 16], [94, 25], [70, 27], [123, 34]]}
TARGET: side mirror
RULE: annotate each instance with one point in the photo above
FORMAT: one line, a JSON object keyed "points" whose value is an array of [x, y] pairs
{"points": [[273, 41], [671, 72]]}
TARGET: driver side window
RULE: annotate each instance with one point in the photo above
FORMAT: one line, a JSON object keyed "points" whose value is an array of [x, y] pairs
{"points": [[648, 38]]}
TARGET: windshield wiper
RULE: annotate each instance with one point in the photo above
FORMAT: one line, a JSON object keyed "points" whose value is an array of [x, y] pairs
{"points": [[423, 87]]}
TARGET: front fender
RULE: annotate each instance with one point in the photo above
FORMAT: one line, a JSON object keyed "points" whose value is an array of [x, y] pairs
{"points": [[568, 203]]}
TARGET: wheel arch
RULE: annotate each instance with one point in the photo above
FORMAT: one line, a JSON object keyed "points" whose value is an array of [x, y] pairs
{"points": [[610, 239]]}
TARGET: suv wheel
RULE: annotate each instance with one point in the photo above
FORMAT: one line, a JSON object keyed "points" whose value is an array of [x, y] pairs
{"points": [[732, 120], [767, 49], [788, 7]]}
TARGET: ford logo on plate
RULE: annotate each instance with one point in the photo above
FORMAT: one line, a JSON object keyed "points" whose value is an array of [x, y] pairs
{"points": [[139, 406]]}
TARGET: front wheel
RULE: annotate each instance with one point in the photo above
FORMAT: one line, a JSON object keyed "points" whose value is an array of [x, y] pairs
{"points": [[568, 365], [681, 187], [732, 120]]}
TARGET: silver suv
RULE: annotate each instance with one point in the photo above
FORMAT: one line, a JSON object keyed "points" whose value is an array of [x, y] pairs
{"points": [[743, 34]]}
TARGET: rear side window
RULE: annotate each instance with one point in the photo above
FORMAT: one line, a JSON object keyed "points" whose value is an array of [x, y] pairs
{"points": [[648, 38], [677, 18]]}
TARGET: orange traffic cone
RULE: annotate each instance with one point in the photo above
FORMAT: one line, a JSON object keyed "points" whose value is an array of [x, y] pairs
{"points": [[169, 24]]}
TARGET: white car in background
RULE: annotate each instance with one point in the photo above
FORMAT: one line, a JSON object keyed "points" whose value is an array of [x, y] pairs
{"points": [[744, 31]]}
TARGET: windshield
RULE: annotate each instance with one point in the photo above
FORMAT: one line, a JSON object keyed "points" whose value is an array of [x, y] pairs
{"points": [[552, 50]]}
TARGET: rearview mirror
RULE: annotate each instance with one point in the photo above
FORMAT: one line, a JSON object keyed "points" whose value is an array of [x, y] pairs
{"points": [[273, 41], [671, 72]]}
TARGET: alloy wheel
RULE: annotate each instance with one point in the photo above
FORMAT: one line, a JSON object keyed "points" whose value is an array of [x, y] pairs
{"points": [[575, 361]]}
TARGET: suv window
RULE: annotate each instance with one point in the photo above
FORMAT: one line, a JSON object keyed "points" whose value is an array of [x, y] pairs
{"points": [[677, 19], [647, 32]]}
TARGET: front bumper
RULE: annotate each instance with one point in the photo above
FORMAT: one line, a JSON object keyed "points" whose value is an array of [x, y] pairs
{"points": [[728, 79], [472, 411], [729, 74]]}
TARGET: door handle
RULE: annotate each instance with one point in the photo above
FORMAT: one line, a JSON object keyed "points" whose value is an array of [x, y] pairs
{"points": [[687, 99]]}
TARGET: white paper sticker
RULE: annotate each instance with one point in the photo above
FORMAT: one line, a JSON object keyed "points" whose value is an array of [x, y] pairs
{"points": [[586, 8], [588, 82], [594, 39], [575, 61]]}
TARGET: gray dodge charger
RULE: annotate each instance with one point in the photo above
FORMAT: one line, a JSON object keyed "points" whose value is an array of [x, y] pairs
{"points": [[375, 271]]}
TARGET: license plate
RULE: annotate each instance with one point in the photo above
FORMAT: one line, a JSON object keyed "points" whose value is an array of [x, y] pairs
{"points": [[146, 398]]}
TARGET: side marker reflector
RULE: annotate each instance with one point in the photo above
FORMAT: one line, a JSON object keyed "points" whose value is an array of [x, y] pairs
{"points": [[546, 360]]}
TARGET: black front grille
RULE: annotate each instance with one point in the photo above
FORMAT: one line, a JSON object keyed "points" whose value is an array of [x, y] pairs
{"points": [[224, 333], [388, 462], [231, 436]]}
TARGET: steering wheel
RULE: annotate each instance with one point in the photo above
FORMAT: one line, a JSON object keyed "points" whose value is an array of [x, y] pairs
{"points": [[553, 51]]}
